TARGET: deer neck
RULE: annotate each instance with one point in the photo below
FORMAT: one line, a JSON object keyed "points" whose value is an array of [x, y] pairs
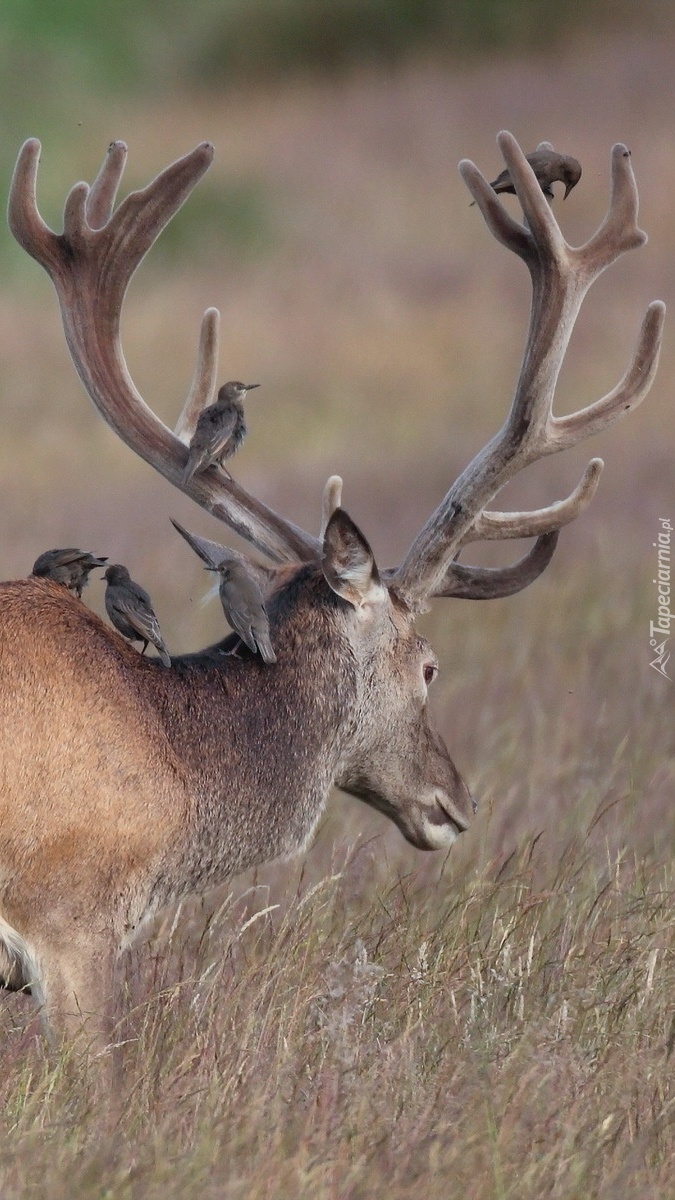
{"points": [[260, 747]]}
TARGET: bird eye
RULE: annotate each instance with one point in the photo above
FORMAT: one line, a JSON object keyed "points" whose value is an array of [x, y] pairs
{"points": [[430, 671]]}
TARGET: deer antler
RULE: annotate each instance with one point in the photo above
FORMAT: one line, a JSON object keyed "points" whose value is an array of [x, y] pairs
{"points": [[91, 264], [561, 276]]}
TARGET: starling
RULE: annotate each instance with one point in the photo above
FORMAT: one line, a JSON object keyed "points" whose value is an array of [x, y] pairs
{"points": [[70, 567], [129, 608], [244, 606], [220, 430], [549, 167]]}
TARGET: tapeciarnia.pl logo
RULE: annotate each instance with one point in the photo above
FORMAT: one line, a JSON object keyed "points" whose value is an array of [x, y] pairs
{"points": [[661, 626]]}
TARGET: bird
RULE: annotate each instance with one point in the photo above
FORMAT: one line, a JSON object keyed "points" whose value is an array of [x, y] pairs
{"points": [[549, 167], [244, 607], [220, 430], [69, 567], [130, 610]]}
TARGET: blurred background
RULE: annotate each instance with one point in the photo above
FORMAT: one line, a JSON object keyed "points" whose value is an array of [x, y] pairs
{"points": [[385, 326]]}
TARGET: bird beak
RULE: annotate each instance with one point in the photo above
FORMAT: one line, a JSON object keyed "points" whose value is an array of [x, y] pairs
{"points": [[251, 386], [568, 189]]}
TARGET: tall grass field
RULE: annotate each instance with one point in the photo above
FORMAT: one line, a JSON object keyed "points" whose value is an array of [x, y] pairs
{"points": [[371, 1021]]}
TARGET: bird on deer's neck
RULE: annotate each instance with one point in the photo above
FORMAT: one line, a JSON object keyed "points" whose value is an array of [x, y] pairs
{"points": [[69, 567], [130, 610], [220, 430], [244, 607]]}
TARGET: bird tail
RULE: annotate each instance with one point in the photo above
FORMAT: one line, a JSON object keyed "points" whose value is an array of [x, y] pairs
{"points": [[264, 645], [190, 468], [163, 652]]}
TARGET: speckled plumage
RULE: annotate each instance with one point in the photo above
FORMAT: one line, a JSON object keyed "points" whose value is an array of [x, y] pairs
{"points": [[220, 430], [130, 610]]}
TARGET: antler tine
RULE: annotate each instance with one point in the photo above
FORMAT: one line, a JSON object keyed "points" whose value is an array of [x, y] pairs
{"points": [[91, 266], [561, 276], [628, 393], [501, 224], [213, 554], [619, 230], [493, 526], [543, 234], [103, 191], [546, 237], [494, 583], [142, 215], [23, 217], [203, 386], [490, 583]]}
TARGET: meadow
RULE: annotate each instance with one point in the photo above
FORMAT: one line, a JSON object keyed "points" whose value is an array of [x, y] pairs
{"points": [[372, 1021]]}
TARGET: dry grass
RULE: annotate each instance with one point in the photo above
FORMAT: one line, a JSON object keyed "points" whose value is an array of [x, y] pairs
{"points": [[498, 1024], [502, 1040], [377, 1022]]}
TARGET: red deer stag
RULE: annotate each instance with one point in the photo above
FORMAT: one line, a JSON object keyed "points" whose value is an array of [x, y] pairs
{"points": [[126, 785]]}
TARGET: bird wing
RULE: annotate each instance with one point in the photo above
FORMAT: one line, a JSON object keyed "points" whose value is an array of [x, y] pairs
{"points": [[209, 438], [545, 164], [503, 181], [130, 611], [238, 609], [57, 558], [244, 607], [65, 558], [116, 610], [240, 620], [133, 604]]}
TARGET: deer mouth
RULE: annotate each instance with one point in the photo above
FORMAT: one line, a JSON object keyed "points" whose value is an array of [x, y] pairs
{"points": [[438, 826], [452, 818]]}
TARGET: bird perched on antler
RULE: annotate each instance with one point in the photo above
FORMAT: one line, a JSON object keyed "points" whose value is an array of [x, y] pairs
{"points": [[220, 430], [69, 567], [549, 168], [130, 610], [244, 607]]}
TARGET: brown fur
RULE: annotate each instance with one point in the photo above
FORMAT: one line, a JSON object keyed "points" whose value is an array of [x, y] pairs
{"points": [[124, 785]]}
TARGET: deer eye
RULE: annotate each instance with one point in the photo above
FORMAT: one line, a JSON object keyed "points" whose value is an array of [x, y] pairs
{"points": [[430, 671]]}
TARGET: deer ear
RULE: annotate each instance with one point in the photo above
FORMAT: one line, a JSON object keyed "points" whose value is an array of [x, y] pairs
{"points": [[348, 564]]}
